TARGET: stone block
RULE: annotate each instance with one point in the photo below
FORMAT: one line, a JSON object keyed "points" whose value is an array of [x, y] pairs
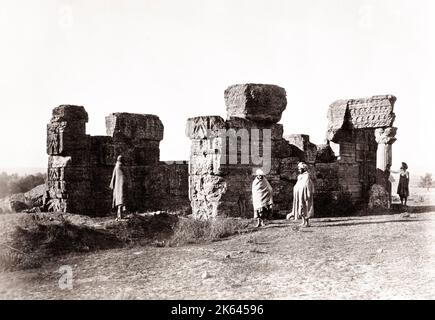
{"points": [[276, 129], [347, 149], [205, 164], [337, 115], [57, 189], [373, 112], [205, 210], [102, 151], [206, 187], [379, 198], [137, 155], [205, 127], [363, 113], [124, 127], [64, 138], [59, 161], [206, 146], [262, 103], [69, 113], [177, 177]]}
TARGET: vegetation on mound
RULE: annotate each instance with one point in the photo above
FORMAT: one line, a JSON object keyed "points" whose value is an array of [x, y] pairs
{"points": [[189, 230], [38, 237]]}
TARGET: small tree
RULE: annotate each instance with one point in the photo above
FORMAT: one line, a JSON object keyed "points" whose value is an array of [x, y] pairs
{"points": [[426, 181]]}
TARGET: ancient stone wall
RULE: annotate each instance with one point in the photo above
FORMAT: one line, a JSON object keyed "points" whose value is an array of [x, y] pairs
{"points": [[363, 130], [80, 166], [217, 179], [224, 153]]}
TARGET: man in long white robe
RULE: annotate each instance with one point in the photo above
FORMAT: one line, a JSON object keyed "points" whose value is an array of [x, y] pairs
{"points": [[119, 185], [303, 191], [262, 198]]}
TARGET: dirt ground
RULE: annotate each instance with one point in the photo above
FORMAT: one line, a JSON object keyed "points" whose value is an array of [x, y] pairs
{"points": [[375, 257]]}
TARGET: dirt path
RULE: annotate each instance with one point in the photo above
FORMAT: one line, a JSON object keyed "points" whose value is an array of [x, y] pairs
{"points": [[379, 257]]}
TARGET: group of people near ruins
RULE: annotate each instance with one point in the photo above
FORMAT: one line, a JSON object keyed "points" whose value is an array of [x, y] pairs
{"points": [[303, 191], [262, 197], [262, 193]]}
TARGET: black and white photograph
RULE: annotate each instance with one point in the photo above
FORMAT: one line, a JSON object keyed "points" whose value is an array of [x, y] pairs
{"points": [[217, 150]]}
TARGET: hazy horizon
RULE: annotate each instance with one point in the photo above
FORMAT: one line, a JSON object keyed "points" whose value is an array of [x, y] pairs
{"points": [[175, 59], [22, 171]]}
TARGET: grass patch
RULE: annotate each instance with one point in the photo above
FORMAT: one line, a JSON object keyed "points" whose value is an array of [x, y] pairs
{"points": [[10, 259], [35, 238], [189, 230]]}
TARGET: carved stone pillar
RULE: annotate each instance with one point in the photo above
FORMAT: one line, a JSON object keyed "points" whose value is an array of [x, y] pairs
{"points": [[385, 138], [380, 193]]}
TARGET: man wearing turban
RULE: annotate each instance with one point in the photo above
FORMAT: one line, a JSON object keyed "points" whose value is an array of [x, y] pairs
{"points": [[303, 196]]}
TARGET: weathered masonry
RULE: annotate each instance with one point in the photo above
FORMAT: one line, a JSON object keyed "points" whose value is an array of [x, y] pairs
{"points": [[359, 130], [80, 166], [363, 130], [216, 181]]}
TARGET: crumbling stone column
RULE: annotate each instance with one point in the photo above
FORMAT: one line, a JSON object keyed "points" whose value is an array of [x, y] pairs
{"points": [[136, 136], [355, 124], [225, 153], [206, 184], [380, 193], [68, 181], [384, 155]]}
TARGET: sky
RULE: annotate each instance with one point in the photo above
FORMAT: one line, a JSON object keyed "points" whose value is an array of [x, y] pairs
{"points": [[175, 59]]}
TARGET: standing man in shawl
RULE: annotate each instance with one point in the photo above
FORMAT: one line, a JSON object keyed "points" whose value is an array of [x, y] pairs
{"points": [[119, 187], [262, 198], [303, 196]]}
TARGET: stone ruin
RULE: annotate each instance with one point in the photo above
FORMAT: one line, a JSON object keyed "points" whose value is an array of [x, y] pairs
{"points": [[217, 179], [364, 133], [80, 166], [358, 147], [219, 186]]}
